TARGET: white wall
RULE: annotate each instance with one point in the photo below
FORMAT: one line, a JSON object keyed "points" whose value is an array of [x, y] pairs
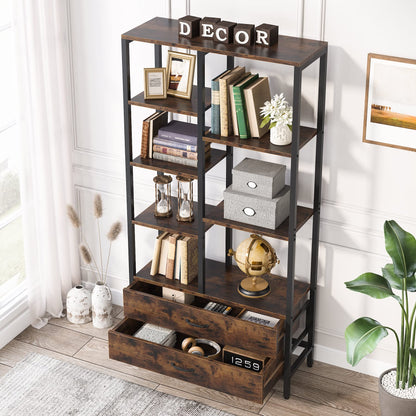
{"points": [[363, 184]]}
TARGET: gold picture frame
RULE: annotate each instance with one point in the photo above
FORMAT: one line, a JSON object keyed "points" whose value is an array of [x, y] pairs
{"points": [[155, 87], [180, 74], [390, 102]]}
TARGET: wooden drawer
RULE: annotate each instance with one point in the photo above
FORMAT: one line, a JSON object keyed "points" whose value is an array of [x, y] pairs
{"points": [[144, 301], [206, 372]]}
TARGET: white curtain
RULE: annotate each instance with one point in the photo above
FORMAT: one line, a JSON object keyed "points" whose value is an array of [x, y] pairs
{"points": [[45, 117]]}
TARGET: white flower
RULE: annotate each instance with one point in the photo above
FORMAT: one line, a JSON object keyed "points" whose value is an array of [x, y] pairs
{"points": [[277, 112]]}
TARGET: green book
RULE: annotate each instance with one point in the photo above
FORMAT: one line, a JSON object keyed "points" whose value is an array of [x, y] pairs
{"points": [[240, 106]]}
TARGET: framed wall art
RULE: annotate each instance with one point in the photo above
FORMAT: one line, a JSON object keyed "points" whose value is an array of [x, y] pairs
{"points": [[390, 102], [180, 74], [155, 86]]}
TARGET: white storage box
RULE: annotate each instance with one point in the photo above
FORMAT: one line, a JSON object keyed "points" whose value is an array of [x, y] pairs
{"points": [[256, 177]]}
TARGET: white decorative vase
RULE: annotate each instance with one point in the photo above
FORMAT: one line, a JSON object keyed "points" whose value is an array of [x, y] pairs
{"points": [[78, 305], [102, 306], [280, 135]]}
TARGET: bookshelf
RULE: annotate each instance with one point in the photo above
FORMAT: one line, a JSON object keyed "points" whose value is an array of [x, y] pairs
{"points": [[217, 281]]}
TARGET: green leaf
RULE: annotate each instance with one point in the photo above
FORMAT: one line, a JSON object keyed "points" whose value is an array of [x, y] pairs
{"points": [[373, 285], [264, 122], [413, 360], [397, 282], [401, 247], [362, 337]]}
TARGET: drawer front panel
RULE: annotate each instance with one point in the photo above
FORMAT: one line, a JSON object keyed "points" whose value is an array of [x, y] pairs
{"points": [[192, 320], [176, 363]]}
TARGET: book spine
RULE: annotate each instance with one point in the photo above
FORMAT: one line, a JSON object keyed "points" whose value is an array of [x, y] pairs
{"points": [[175, 159], [233, 113], [178, 137], [170, 264], [145, 140], [241, 113], [156, 254], [224, 112], [175, 152], [184, 262], [175, 145], [215, 107]]}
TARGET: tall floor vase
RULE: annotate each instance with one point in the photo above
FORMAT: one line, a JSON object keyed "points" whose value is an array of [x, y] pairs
{"points": [[102, 305]]}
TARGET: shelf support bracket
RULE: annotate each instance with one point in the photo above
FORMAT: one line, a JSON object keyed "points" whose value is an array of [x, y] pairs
{"points": [[128, 152], [294, 164], [310, 315], [201, 170]]}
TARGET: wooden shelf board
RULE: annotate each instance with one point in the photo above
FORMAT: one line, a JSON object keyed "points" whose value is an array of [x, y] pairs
{"points": [[215, 215], [175, 168], [288, 51], [221, 285], [170, 224], [174, 104], [263, 144]]}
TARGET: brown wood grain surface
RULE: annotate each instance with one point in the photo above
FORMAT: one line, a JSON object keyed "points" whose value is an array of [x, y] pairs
{"points": [[215, 215], [176, 363], [141, 300], [178, 169], [170, 224], [174, 104], [262, 145], [288, 51], [222, 283]]}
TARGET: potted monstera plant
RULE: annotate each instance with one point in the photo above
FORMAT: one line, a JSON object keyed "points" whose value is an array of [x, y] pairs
{"points": [[397, 386]]}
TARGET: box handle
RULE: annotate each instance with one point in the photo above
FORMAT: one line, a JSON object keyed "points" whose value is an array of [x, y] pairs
{"points": [[185, 370], [252, 184], [250, 212], [195, 325]]}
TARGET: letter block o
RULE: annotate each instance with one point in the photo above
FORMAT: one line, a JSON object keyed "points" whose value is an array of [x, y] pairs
{"points": [[244, 34]]}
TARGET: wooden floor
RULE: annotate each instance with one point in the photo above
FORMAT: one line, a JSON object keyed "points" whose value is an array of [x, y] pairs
{"points": [[323, 390]]}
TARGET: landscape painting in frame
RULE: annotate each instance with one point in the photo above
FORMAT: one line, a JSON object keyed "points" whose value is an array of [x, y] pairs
{"points": [[390, 102]]}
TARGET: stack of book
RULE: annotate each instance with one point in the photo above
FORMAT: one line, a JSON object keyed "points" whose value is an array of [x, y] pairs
{"points": [[236, 99], [177, 142], [175, 257]]}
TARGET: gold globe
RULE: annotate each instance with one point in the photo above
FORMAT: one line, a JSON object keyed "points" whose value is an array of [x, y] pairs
{"points": [[255, 257]]}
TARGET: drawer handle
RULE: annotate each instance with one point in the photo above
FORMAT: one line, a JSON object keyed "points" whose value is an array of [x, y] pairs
{"points": [[195, 325], [185, 370], [252, 185]]}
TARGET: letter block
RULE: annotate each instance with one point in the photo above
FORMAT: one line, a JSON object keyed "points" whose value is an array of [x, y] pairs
{"points": [[207, 27], [224, 32], [244, 34], [188, 26], [267, 35]]}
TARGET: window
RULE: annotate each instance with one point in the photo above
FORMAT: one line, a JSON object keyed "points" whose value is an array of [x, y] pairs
{"points": [[12, 269]]}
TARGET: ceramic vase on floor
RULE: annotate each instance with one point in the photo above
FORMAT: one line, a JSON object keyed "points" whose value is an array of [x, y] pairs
{"points": [[78, 305], [280, 135], [102, 305]]}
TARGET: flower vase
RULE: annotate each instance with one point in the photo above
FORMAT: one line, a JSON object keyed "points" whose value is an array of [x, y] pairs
{"points": [[102, 305], [78, 305], [281, 135]]}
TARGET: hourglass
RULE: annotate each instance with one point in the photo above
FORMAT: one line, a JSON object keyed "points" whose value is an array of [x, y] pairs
{"points": [[163, 203], [185, 199]]}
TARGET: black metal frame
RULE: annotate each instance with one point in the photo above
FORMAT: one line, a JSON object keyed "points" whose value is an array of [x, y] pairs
{"points": [[290, 343]]}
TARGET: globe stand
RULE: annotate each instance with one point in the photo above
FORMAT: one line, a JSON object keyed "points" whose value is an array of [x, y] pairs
{"points": [[254, 287]]}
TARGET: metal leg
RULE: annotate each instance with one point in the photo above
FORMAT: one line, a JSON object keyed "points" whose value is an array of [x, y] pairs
{"points": [[317, 204], [158, 56], [228, 180], [292, 229], [128, 157], [201, 170]]}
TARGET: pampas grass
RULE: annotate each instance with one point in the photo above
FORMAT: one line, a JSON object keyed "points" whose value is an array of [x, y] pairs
{"points": [[84, 248]]}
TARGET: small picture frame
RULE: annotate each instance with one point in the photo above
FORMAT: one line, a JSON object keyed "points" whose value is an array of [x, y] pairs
{"points": [[180, 74], [155, 83]]}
